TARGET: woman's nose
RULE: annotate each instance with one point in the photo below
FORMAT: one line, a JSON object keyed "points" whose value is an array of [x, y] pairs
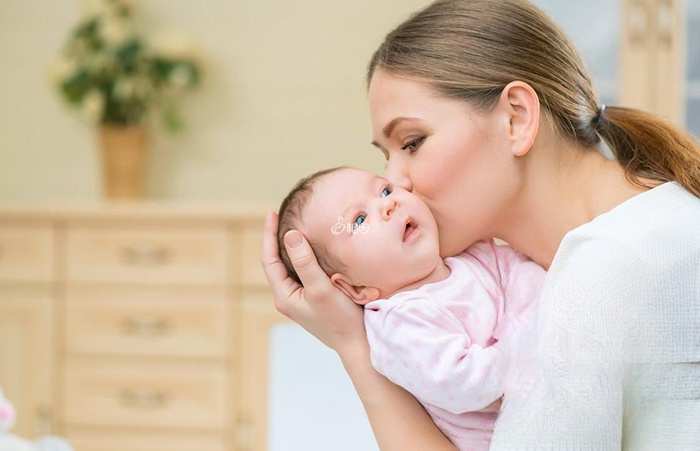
{"points": [[388, 206], [396, 173]]}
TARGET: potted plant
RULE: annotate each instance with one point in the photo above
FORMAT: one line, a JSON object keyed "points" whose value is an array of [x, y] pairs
{"points": [[117, 79]]}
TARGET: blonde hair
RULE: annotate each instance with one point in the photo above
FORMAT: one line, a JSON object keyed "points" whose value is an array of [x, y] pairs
{"points": [[471, 49]]}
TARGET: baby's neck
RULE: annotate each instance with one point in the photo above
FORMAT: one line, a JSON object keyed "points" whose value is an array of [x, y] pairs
{"points": [[440, 272]]}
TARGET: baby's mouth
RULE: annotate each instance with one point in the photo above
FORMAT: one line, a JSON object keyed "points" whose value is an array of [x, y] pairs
{"points": [[409, 230]]}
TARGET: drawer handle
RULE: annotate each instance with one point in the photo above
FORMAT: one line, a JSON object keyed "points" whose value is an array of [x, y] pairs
{"points": [[145, 255], [145, 326], [143, 398]]}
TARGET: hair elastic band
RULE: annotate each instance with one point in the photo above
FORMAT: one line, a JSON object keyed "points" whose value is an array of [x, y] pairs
{"points": [[601, 113]]}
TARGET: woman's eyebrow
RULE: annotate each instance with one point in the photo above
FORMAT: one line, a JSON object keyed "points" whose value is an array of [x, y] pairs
{"points": [[393, 123], [389, 128]]}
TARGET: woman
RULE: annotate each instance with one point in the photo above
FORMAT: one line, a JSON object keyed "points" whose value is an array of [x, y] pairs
{"points": [[486, 111]]}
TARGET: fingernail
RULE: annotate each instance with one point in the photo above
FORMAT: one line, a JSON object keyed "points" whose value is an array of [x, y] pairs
{"points": [[292, 238]]}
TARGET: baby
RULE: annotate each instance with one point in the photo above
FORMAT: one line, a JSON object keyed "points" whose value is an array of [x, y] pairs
{"points": [[445, 330]]}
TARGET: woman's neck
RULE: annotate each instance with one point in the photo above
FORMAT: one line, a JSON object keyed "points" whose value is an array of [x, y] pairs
{"points": [[561, 194]]}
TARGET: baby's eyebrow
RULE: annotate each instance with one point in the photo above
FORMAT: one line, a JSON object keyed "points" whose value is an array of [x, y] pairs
{"points": [[345, 212], [374, 182]]}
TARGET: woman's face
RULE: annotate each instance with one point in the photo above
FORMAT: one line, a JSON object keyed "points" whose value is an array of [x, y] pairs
{"points": [[457, 160]]}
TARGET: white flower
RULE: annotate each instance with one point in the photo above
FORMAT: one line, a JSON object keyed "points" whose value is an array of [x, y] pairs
{"points": [[100, 62], [113, 31], [142, 87], [62, 69], [92, 106], [180, 77], [124, 88]]}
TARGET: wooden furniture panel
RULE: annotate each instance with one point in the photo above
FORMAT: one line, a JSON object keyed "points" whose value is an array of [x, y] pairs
{"points": [[147, 254], [146, 394], [251, 254], [121, 325], [260, 315], [101, 440], [155, 321], [26, 355], [26, 252]]}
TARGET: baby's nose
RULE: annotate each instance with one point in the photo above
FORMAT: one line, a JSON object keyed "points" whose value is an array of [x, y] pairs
{"points": [[388, 207]]}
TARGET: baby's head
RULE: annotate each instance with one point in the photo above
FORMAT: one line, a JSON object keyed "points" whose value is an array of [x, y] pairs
{"points": [[371, 238], [291, 217]]}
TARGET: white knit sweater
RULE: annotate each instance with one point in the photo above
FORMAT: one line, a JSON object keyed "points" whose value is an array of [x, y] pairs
{"points": [[616, 360]]}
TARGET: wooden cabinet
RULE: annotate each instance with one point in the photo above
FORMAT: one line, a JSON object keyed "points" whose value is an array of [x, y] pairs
{"points": [[259, 317], [26, 353], [136, 327], [26, 321]]}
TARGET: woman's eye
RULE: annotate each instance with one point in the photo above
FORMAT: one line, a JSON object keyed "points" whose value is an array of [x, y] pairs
{"points": [[386, 191], [413, 145], [359, 220]]}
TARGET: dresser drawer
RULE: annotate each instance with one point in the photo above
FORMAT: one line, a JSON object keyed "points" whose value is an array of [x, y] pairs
{"points": [[147, 254], [82, 439], [250, 255], [146, 394], [189, 321], [26, 252]]}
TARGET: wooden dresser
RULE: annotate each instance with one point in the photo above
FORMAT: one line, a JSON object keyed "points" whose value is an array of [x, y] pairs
{"points": [[136, 326]]}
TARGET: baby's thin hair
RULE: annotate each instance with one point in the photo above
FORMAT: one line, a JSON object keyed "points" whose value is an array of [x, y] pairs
{"points": [[290, 218]]}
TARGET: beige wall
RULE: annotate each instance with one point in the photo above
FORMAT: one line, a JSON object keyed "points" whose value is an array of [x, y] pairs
{"points": [[284, 96]]}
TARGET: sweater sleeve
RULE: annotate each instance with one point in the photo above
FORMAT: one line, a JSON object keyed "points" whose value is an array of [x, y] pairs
{"points": [[425, 349], [573, 396]]}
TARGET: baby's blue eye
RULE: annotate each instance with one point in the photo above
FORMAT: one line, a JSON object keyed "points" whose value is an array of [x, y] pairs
{"points": [[359, 220], [386, 191]]}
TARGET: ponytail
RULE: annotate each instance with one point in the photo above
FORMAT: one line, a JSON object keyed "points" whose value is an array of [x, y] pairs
{"points": [[470, 50], [648, 147]]}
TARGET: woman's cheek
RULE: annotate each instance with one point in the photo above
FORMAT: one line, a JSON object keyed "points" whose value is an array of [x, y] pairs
{"points": [[426, 177]]}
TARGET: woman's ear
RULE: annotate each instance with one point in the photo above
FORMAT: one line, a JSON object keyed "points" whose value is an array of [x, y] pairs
{"points": [[360, 295], [522, 107]]}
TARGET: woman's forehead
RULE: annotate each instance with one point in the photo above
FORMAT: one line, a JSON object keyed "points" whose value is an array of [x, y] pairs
{"points": [[385, 86], [392, 98]]}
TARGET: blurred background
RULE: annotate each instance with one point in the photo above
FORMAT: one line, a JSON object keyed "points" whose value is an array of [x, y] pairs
{"points": [[147, 325], [284, 92]]}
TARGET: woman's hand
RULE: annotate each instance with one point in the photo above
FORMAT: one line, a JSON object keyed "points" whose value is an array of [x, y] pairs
{"points": [[399, 422], [317, 306]]}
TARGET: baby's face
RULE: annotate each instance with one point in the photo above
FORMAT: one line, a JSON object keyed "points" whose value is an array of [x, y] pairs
{"points": [[385, 235]]}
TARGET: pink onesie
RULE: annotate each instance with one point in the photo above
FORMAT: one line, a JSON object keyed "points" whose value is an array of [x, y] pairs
{"points": [[449, 343]]}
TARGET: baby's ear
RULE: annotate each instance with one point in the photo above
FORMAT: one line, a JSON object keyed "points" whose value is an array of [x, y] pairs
{"points": [[360, 295]]}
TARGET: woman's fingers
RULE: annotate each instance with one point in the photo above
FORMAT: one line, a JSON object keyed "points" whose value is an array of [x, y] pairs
{"points": [[283, 287], [315, 281], [318, 306]]}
